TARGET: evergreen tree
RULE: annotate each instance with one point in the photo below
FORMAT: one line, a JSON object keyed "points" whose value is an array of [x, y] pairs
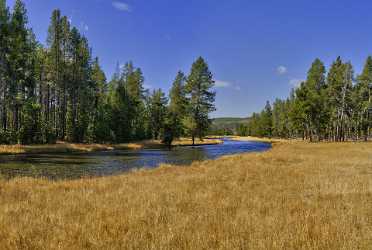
{"points": [[136, 93], [201, 99], [54, 90], [330, 109], [158, 113], [133, 80], [81, 95], [362, 100], [280, 119], [313, 103], [254, 125], [241, 130], [267, 120], [339, 80], [30, 130], [297, 111], [178, 105], [4, 64], [54, 41], [100, 117], [19, 52], [58, 92], [121, 125]]}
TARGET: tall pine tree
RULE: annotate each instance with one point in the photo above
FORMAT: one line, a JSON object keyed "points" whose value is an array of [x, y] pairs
{"points": [[201, 98], [178, 105]]}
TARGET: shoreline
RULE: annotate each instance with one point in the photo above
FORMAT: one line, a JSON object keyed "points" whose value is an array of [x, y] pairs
{"points": [[278, 140], [251, 138], [259, 139], [66, 148]]}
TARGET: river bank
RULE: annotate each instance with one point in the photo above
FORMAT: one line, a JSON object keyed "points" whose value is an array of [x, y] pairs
{"points": [[258, 139], [253, 139], [295, 196], [64, 147]]}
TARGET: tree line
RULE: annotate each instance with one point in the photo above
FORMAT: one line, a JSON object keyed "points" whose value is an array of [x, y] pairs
{"points": [[59, 91], [332, 106]]}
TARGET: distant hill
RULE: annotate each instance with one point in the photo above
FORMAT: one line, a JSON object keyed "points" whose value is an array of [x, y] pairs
{"points": [[230, 120], [227, 124]]}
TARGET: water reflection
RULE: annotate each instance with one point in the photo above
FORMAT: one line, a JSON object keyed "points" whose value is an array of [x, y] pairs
{"points": [[73, 166]]}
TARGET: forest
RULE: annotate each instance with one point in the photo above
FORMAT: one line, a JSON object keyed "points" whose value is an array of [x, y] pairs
{"points": [[59, 91], [331, 106]]}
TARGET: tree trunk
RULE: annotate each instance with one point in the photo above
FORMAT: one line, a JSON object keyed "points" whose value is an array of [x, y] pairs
{"points": [[5, 118]]}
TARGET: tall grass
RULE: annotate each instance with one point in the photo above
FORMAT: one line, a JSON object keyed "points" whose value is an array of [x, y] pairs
{"points": [[63, 147], [296, 196]]}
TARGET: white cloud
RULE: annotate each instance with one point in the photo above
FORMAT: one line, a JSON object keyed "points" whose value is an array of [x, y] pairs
{"points": [[121, 6], [84, 26], [225, 84], [282, 70], [148, 86], [294, 82], [222, 84]]}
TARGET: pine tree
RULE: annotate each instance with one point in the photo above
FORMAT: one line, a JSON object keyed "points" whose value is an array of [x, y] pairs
{"points": [[297, 111], [339, 81], [120, 107], [99, 130], [65, 76], [54, 41], [133, 82], [4, 64], [40, 76], [127, 97], [30, 130], [86, 95], [362, 99], [81, 94], [201, 98], [178, 105], [280, 119], [314, 101], [20, 66], [158, 113], [137, 97], [254, 126], [267, 120]]}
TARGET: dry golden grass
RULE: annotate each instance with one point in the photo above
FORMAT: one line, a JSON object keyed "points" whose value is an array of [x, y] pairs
{"points": [[63, 147], [296, 196], [258, 139]]}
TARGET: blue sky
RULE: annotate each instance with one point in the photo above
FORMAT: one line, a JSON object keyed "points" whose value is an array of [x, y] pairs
{"points": [[257, 50]]}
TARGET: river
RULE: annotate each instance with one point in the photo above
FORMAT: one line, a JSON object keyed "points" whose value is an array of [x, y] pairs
{"points": [[78, 165]]}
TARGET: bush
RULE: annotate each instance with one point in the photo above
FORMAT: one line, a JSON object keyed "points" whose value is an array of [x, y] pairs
{"points": [[8, 137]]}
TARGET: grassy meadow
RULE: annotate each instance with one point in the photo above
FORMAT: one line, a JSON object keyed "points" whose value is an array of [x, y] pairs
{"points": [[296, 196]]}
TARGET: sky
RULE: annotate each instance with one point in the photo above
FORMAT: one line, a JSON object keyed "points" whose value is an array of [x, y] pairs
{"points": [[257, 50]]}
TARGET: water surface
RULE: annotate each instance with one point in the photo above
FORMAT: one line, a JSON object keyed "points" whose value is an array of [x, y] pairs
{"points": [[73, 166]]}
